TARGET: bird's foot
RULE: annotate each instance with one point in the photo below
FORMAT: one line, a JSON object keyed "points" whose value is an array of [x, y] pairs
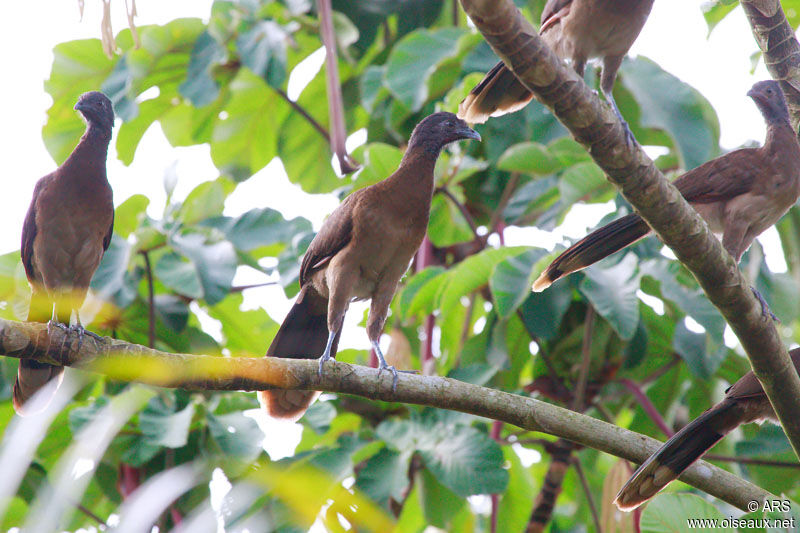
{"points": [[383, 365], [765, 310], [322, 360], [630, 140], [52, 325]]}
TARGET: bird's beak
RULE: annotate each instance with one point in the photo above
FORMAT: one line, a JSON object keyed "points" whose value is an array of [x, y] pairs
{"points": [[469, 133], [79, 106]]}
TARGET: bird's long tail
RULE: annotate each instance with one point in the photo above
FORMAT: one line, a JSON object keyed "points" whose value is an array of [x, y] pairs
{"points": [[675, 456], [498, 93], [33, 375], [303, 334], [596, 246]]}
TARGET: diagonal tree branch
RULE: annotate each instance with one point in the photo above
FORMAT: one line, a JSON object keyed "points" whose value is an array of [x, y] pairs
{"points": [[776, 39], [595, 126], [133, 362]]}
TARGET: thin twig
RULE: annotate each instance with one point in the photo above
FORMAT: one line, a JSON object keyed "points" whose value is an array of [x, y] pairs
{"points": [[297, 107], [750, 461], [660, 371], [241, 288], [576, 462], [338, 134], [463, 209], [586, 360], [647, 406], [505, 197], [151, 306], [80, 507]]}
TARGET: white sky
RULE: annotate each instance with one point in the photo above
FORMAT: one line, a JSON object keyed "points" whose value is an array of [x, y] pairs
{"points": [[674, 36]]}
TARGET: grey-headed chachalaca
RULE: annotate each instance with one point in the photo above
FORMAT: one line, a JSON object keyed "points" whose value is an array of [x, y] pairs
{"points": [[65, 233], [739, 194], [577, 30], [744, 402], [361, 253]]}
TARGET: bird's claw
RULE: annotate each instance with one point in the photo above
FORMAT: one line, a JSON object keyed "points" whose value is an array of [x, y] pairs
{"points": [[391, 369], [322, 360], [52, 325], [765, 309]]}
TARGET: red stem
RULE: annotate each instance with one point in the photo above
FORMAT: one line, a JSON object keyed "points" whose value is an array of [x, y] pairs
{"points": [[648, 406], [497, 428]]}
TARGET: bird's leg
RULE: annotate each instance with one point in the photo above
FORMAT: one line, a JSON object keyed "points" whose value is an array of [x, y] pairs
{"points": [[383, 365], [81, 331], [326, 355], [54, 322], [611, 65], [765, 310]]}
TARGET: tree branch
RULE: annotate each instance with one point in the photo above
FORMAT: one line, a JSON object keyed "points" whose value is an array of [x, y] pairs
{"points": [[595, 126], [775, 37], [132, 362]]}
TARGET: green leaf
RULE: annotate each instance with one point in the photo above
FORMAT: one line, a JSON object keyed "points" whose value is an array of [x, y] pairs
{"points": [[584, 181], [253, 112], [214, 265], [112, 280], [206, 200], [511, 281], [237, 435], [246, 332], [162, 426], [384, 475], [516, 503], [529, 157], [717, 10], [199, 87], [414, 59], [439, 503], [179, 275], [129, 214], [447, 226], [379, 160], [263, 50], [258, 228], [419, 293], [612, 292], [668, 104], [668, 513]]}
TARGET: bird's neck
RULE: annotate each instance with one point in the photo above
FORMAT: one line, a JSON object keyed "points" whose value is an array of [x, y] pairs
{"points": [[91, 152], [413, 179], [779, 133]]}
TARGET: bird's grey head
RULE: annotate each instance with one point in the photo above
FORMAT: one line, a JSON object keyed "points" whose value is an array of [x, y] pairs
{"points": [[97, 109], [438, 130], [769, 98]]}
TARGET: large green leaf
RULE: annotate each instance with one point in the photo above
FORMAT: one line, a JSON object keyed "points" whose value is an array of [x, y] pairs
{"points": [[200, 87], [384, 475], [668, 513], [414, 59], [163, 426], [669, 104], [511, 281], [612, 291]]}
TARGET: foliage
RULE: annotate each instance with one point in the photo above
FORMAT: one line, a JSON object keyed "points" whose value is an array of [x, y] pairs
{"points": [[224, 83]]}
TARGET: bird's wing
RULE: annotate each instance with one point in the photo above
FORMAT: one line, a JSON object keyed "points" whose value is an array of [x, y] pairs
{"points": [[553, 11], [722, 178], [107, 238], [336, 232], [29, 232]]}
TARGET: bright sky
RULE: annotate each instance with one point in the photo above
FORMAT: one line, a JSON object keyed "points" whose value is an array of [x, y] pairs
{"points": [[719, 68]]}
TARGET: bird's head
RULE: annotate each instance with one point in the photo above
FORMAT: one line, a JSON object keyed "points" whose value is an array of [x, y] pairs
{"points": [[96, 109], [440, 129], [770, 100]]}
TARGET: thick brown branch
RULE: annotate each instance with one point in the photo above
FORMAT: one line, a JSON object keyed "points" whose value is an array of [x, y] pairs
{"points": [[132, 362], [776, 39], [595, 126]]}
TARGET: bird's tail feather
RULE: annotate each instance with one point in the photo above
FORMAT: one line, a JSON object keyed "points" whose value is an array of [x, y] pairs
{"points": [[33, 375], [498, 93], [303, 334], [675, 456], [596, 246]]}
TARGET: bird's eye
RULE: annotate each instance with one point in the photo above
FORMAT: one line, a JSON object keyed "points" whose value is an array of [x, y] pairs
{"points": [[450, 123]]}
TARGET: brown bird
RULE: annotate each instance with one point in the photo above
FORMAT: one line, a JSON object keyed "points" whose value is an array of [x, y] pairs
{"points": [[577, 30], [739, 194], [744, 402], [65, 233], [361, 253]]}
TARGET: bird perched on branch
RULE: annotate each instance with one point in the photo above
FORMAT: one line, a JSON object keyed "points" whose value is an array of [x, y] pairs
{"points": [[577, 30], [361, 253], [744, 402], [66, 231], [739, 194]]}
